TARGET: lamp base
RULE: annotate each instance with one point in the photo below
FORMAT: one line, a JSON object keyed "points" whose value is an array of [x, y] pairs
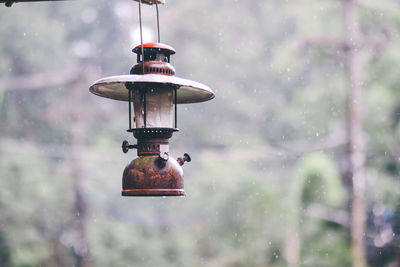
{"points": [[153, 192]]}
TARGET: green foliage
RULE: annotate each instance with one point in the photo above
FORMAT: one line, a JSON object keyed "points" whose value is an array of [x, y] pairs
{"points": [[317, 180]]}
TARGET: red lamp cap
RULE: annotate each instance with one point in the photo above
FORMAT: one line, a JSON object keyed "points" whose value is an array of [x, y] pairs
{"points": [[153, 46]]}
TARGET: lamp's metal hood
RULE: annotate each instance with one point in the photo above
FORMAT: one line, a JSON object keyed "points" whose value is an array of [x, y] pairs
{"points": [[188, 91]]}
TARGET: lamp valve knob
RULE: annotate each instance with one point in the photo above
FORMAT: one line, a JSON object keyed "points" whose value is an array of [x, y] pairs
{"points": [[186, 158], [126, 146]]}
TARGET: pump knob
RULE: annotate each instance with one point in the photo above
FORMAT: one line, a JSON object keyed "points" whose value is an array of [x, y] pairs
{"points": [[126, 146]]}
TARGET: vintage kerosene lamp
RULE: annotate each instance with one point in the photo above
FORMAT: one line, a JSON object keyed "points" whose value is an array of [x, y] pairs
{"points": [[155, 92]]}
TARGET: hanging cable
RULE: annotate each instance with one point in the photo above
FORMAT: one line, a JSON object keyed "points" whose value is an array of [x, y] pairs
{"points": [[158, 24], [141, 32]]}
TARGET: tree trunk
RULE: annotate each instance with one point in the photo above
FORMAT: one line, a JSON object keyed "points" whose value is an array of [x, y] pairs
{"points": [[356, 150], [80, 247]]}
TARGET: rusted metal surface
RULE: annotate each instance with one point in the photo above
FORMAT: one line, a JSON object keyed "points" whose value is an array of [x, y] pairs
{"points": [[144, 176], [153, 173], [153, 67], [155, 60], [150, 147], [151, 141]]}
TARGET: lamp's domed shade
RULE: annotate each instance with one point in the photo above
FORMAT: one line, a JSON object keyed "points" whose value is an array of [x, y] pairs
{"points": [[188, 91]]}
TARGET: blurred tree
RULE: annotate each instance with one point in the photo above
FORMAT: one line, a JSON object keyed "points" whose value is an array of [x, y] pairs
{"points": [[315, 192], [4, 251]]}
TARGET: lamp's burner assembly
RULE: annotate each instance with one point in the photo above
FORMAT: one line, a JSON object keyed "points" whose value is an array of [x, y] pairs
{"points": [[155, 92]]}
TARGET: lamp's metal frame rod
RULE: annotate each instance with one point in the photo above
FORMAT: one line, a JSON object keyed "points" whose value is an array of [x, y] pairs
{"points": [[141, 46], [144, 110], [130, 108], [176, 108]]}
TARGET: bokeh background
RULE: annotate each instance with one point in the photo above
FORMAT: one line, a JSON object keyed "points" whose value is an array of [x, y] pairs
{"points": [[265, 185]]}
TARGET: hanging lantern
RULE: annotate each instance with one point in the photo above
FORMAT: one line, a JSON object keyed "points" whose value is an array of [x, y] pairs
{"points": [[155, 92]]}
